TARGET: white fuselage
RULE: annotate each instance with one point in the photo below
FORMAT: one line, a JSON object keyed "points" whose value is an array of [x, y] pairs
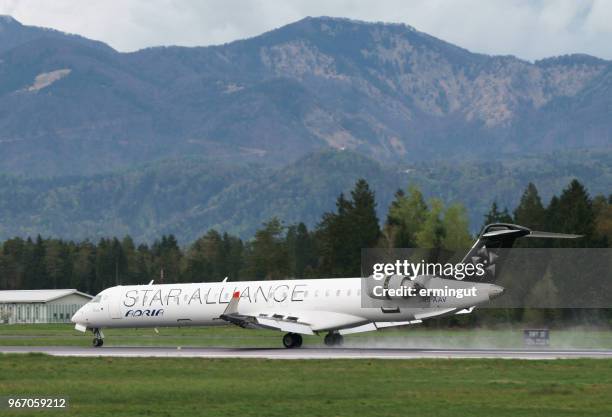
{"points": [[326, 304]]}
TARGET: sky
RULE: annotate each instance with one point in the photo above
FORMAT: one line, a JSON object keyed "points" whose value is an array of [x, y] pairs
{"points": [[527, 29]]}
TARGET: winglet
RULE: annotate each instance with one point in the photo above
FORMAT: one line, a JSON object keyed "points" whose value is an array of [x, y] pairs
{"points": [[232, 307]]}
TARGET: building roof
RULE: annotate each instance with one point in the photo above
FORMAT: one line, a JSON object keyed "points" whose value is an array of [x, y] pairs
{"points": [[36, 296]]}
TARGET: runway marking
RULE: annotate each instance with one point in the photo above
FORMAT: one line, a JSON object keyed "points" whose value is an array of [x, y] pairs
{"points": [[309, 353]]}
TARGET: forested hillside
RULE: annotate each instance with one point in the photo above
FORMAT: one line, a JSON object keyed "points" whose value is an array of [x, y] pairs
{"points": [[187, 197]]}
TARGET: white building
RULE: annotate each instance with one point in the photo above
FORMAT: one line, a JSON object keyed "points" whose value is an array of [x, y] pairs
{"points": [[40, 306]]}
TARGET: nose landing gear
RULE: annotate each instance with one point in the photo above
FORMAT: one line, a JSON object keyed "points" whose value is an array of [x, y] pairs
{"points": [[98, 340], [333, 339], [292, 340]]}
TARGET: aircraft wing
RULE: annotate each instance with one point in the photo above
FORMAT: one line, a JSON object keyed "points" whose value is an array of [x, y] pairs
{"points": [[466, 310], [304, 322], [433, 312], [373, 326], [272, 323], [282, 322]]}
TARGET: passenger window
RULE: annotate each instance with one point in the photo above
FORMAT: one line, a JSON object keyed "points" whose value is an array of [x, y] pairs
{"points": [[338, 293], [327, 293], [316, 293], [348, 293]]}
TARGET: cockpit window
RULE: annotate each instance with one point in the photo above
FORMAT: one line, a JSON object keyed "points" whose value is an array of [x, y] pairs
{"points": [[96, 299]]}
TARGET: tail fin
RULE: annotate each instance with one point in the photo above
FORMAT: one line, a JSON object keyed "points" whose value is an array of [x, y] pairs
{"points": [[494, 237]]}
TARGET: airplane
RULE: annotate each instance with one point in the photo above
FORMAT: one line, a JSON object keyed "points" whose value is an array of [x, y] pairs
{"points": [[297, 307]]}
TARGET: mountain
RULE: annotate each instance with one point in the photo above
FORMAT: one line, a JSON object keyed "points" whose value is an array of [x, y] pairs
{"points": [[72, 106], [188, 196], [13, 33]]}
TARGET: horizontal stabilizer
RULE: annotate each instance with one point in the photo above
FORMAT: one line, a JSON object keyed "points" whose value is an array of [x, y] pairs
{"points": [[551, 235]]}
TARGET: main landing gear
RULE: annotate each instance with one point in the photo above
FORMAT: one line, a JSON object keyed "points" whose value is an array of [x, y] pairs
{"points": [[333, 339], [292, 340], [98, 340]]}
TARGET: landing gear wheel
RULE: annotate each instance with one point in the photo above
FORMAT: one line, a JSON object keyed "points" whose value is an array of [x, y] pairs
{"points": [[98, 340], [292, 340], [333, 339]]}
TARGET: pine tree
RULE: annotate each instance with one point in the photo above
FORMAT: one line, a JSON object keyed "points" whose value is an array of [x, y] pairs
{"points": [[57, 262], [15, 253], [530, 211], [130, 273], [167, 259], [84, 268], [206, 259], [395, 204], [144, 264], [552, 211], [300, 250], [496, 216], [342, 235], [493, 215], [268, 256], [574, 214], [35, 272], [332, 237], [364, 225], [234, 252], [119, 261]]}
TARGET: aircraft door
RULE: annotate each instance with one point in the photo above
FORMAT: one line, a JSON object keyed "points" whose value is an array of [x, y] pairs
{"points": [[114, 304]]}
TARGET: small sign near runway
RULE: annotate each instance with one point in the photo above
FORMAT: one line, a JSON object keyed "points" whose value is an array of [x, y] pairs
{"points": [[536, 337]]}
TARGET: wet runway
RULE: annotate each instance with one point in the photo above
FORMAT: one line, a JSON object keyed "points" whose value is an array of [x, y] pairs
{"points": [[307, 353]]}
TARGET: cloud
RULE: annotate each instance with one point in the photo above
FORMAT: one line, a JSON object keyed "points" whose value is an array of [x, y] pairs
{"points": [[527, 29]]}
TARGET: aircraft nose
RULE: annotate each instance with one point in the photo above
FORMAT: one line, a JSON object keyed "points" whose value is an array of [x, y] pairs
{"points": [[75, 316], [495, 291]]}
